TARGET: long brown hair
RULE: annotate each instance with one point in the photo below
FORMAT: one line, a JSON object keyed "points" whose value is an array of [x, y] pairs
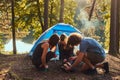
{"points": [[53, 40]]}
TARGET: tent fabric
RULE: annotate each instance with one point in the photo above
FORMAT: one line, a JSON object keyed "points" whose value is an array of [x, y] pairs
{"points": [[58, 29]]}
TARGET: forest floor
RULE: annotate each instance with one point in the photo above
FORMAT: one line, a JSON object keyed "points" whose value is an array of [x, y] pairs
{"points": [[19, 67]]}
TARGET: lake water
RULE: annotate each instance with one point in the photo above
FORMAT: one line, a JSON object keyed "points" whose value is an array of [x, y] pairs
{"points": [[21, 46]]}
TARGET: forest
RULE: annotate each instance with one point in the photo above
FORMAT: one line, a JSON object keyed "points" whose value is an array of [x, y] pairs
{"points": [[28, 19], [33, 17]]}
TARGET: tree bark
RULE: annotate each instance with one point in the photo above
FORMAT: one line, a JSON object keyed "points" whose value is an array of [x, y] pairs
{"points": [[61, 11], [92, 9], [45, 15], [114, 28], [51, 13], [118, 27], [13, 27], [39, 14]]}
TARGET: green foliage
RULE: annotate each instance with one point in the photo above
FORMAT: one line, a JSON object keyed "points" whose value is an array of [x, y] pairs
{"points": [[27, 14], [107, 35], [26, 17], [104, 10], [69, 11]]}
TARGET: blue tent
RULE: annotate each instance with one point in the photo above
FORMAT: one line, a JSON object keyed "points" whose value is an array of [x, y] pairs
{"points": [[58, 29]]}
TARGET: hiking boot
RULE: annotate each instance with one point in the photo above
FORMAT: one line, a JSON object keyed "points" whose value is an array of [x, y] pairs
{"points": [[106, 67]]}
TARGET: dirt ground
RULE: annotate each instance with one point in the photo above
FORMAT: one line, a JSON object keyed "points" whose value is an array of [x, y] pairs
{"points": [[19, 67]]}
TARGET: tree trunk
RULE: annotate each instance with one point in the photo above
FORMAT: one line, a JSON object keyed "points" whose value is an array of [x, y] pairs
{"points": [[118, 27], [92, 9], [13, 27], [39, 14], [45, 15], [51, 13], [61, 11], [114, 29]]}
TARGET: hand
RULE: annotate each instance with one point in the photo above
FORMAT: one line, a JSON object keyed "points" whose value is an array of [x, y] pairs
{"points": [[67, 66], [73, 58]]}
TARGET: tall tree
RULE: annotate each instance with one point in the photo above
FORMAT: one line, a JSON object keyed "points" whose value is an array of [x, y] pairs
{"points": [[45, 15], [118, 27], [39, 14], [51, 11], [119, 24], [61, 11], [114, 28], [13, 27]]}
